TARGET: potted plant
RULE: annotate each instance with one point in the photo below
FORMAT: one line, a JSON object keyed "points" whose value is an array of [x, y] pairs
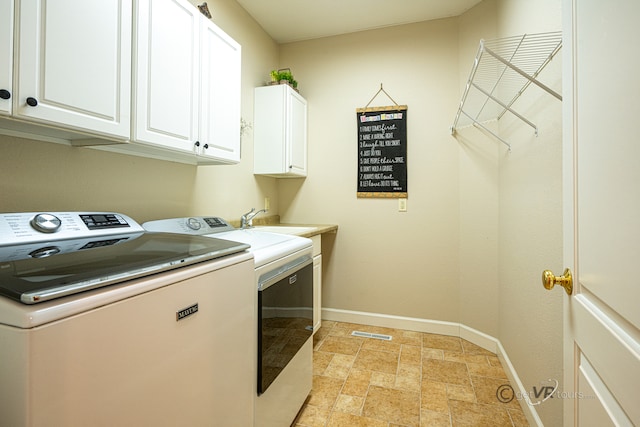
{"points": [[283, 76]]}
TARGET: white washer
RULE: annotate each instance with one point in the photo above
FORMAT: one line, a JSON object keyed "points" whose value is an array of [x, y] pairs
{"points": [[284, 306], [101, 324]]}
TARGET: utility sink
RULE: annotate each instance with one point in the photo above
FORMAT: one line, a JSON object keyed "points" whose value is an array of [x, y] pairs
{"points": [[284, 229]]}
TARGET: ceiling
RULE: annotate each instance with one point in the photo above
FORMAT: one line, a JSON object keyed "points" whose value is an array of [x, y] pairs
{"points": [[293, 20]]}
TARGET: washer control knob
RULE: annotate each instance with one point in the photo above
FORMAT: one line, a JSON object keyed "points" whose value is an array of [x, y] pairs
{"points": [[46, 223], [193, 224]]}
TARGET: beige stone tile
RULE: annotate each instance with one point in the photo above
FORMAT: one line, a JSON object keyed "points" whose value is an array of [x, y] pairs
{"points": [[466, 414], [445, 371], [459, 392], [432, 353], [381, 345], [339, 366], [343, 360], [357, 382], [518, 418], [494, 361], [349, 404], [472, 348], [398, 406], [486, 370], [383, 380], [320, 361], [328, 324], [410, 354], [442, 342], [340, 372], [407, 337], [408, 377], [434, 397], [487, 391], [312, 416], [408, 370], [434, 419], [466, 358], [375, 360], [345, 328], [324, 391], [342, 345], [340, 419]]}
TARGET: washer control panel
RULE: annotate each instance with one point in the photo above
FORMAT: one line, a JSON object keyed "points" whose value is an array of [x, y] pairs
{"points": [[34, 227]]}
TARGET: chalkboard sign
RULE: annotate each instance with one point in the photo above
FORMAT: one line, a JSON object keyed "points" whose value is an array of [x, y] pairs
{"points": [[382, 152]]}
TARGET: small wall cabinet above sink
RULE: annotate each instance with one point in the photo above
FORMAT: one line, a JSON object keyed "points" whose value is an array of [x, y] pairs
{"points": [[280, 132]]}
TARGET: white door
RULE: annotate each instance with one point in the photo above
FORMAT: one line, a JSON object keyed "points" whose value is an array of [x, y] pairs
{"points": [[220, 96], [74, 66], [601, 212], [167, 71], [6, 56]]}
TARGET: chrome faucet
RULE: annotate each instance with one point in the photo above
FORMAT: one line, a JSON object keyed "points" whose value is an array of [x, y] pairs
{"points": [[246, 220]]}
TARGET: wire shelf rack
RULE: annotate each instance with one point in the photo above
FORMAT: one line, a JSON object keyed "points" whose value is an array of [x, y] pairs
{"points": [[502, 70]]}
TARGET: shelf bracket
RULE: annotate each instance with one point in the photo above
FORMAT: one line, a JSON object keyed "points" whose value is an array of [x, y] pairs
{"points": [[486, 129]]}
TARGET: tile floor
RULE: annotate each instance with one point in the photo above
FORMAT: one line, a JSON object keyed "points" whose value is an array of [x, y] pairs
{"points": [[416, 379]]}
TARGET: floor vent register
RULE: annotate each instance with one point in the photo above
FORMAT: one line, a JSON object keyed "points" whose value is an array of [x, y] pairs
{"points": [[368, 335]]}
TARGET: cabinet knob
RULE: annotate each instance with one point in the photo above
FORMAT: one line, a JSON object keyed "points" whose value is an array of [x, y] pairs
{"points": [[197, 144], [206, 146], [5, 94], [32, 102]]}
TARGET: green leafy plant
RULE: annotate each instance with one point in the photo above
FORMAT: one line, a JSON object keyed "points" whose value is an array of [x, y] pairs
{"points": [[284, 74]]}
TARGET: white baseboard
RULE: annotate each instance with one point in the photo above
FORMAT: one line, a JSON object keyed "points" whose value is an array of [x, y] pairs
{"points": [[442, 328]]}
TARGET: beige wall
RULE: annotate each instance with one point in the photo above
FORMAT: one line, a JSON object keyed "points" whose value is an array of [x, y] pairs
{"points": [[383, 261], [531, 216], [42, 176], [478, 191]]}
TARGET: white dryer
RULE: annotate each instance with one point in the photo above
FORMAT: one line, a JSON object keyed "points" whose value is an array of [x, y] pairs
{"points": [[284, 307]]}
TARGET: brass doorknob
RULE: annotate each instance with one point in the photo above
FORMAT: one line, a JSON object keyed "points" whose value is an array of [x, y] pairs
{"points": [[549, 280]]}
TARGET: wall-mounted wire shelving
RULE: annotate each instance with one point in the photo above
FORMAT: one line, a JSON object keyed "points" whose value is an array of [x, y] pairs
{"points": [[502, 70]]}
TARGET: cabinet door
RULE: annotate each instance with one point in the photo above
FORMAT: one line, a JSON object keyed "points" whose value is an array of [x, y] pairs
{"points": [[297, 134], [81, 76], [220, 96], [6, 56], [317, 293], [166, 69]]}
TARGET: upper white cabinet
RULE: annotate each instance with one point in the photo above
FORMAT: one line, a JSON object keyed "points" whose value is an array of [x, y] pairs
{"points": [[66, 75], [186, 85], [166, 72], [280, 132], [6, 56], [220, 94], [73, 64]]}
